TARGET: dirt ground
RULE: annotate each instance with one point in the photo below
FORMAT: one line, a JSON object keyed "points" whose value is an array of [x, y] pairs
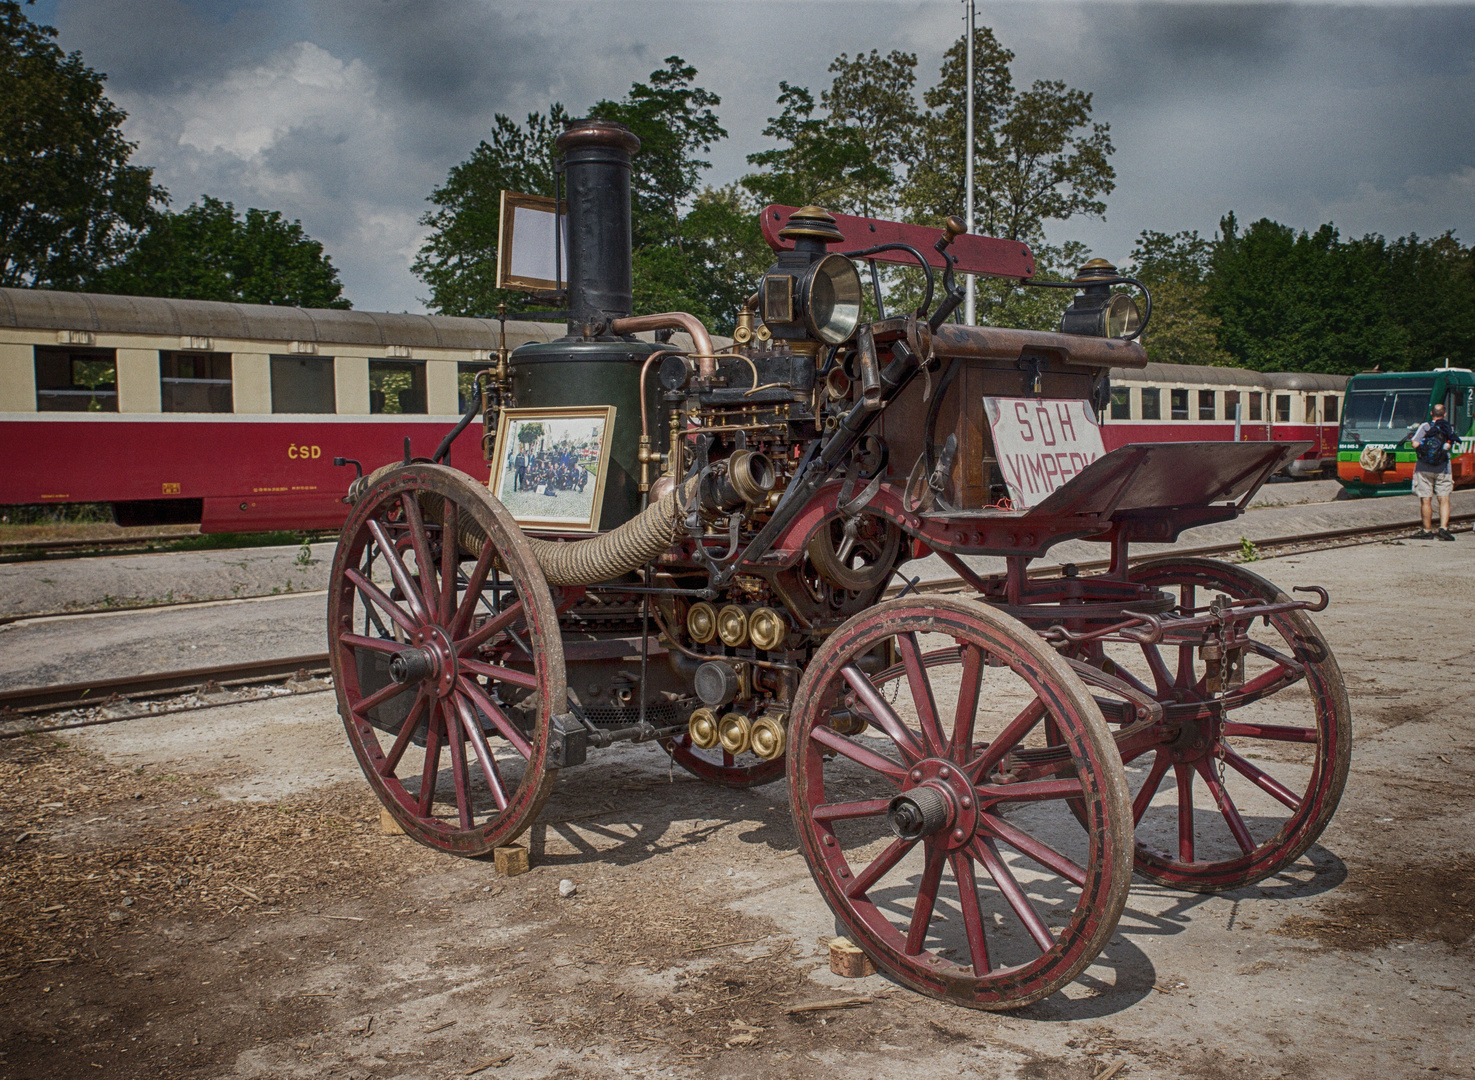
{"points": [[209, 894]]}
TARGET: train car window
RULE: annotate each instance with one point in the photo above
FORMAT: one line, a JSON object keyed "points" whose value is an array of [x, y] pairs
{"points": [[1121, 403], [1231, 403], [465, 383], [1178, 399], [397, 386], [1206, 404], [1311, 408], [76, 380], [1329, 409], [1282, 408], [1152, 403], [195, 382], [303, 384], [1255, 411]]}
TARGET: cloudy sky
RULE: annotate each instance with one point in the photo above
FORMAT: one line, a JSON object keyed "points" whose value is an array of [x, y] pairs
{"points": [[346, 113]]}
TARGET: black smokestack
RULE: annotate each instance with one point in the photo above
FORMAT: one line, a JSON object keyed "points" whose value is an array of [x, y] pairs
{"points": [[596, 165]]}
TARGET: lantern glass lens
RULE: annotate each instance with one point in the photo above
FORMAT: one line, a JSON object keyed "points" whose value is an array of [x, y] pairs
{"points": [[1122, 316], [833, 299]]}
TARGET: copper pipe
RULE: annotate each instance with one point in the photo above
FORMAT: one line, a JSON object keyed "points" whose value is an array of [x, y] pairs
{"points": [[673, 320]]}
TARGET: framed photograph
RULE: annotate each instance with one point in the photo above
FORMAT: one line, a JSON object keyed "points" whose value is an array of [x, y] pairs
{"points": [[526, 242], [550, 466]]}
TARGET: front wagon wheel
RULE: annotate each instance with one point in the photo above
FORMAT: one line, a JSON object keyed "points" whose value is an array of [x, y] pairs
{"points": [[446, 656]]}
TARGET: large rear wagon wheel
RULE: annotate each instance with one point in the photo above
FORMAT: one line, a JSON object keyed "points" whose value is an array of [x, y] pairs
{"points": [[936, 820], [447, 658], [1254, 775]]}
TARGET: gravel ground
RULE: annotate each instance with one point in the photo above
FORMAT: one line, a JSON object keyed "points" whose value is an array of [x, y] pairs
{"points": [[209, 895]]}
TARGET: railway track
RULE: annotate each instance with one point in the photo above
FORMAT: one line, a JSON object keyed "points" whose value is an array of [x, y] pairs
{"points": [[23, 710], [45, 550]]}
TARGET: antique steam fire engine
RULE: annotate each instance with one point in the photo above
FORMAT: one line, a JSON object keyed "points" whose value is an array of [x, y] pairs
{"points": [[976, 765]]}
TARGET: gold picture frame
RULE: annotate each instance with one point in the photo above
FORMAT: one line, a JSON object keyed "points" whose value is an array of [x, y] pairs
{"points": [[567, 459], [529, 263]]}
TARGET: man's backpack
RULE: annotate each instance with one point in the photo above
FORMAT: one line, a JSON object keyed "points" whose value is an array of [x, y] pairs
{"points": [[1434, 450]]}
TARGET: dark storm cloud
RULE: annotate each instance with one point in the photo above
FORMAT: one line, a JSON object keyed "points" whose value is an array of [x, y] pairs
{"points": [[346, 113]]}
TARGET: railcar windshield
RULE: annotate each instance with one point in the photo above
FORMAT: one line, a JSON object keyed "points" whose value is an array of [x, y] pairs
{"points": [[1387, 409]]}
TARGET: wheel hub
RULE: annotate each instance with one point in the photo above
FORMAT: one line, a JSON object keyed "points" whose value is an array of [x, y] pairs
{"points": [[939, 803], [430, 658]]}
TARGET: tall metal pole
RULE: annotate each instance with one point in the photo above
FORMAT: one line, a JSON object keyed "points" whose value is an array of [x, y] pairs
{"points": [[970, 301]]}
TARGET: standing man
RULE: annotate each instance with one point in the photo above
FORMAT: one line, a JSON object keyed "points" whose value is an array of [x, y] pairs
{"points": [[1432, 476]]}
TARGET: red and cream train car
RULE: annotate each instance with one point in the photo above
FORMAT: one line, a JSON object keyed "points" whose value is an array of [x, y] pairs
{"points": [[228, 415], [1190, 403]]}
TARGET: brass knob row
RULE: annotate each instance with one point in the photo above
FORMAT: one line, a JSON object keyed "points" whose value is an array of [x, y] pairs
{"points": [[764, 627]]}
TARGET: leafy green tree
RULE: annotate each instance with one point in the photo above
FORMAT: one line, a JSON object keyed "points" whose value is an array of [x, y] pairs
{"points": [[209, 252], [1038, 156], [1175, 270], [459, 259], [1432, 285], [69, 200]]}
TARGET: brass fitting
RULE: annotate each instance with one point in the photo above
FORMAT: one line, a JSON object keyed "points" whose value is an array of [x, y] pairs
{"points": [[767, 629], [732, 625], [647, 457], [735, 733], [703, 729], [769, 738], [701, 622]]}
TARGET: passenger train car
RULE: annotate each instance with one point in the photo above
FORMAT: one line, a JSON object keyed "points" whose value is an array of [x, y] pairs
{"points": [[1374, 455], [1188, 403], [229, 415]]}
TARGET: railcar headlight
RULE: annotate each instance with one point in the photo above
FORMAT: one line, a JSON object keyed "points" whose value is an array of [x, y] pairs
{"points": [[831, 296]]}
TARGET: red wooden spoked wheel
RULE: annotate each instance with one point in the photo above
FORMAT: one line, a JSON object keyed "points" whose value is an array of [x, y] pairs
{"points": [[941, 834], [1245, 781], [721, 769], [447, 657]]}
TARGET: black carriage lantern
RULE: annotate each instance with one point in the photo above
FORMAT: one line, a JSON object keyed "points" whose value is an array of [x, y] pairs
{"points": [[1099, 312], [810, 294]]}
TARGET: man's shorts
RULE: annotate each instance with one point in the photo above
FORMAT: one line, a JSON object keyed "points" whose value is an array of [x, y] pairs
{"points": [[1429, 484]]}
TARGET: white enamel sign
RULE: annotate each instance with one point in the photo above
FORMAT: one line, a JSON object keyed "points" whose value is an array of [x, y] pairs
{"points": [[1041, 443]]}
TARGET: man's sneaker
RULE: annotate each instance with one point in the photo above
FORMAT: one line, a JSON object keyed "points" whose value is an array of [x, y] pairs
{"points": [[1423, 534], [1445, 534]]}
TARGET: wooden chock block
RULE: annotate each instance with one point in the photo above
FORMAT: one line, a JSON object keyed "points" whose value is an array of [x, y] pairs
{"points": [[847, 961], [387, 825], [511, 861]]}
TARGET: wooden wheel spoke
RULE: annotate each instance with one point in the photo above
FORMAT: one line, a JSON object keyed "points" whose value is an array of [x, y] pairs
{"points": [[450, 559], [501, 674], [1160, 674], [848, 810], [475, 582], [987, 852], [489, 629], [878, 868], [882, 715], [1037, 850], [1160, 763], [922, 697], [1030, 791], [869, 759], [506, 727], [431, 769], [1012, 735], [1272, 732], [969, 681], [1186, 677], [1269, 682], [373, 594], [420, 541], [399, 572], [467, 715], [1183, 774], [380, 696], [373, 644], [970, 914], [1232, 818], [1262, 780], [391, 760], [457, 746], [926, 901]]}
